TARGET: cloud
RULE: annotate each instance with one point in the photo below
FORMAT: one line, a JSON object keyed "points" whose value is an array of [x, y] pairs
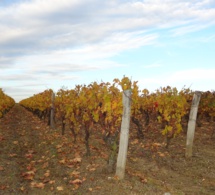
{"points": [[53, 41], [16, 77], [87, 57], [35, 25], [6, 62], [19, 92], [193, 74], [180, 31], [194, 78]]}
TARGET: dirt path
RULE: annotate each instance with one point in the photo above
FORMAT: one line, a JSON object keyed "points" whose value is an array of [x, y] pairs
{"points": [[18, 138], [28, 155], [37, 160]]}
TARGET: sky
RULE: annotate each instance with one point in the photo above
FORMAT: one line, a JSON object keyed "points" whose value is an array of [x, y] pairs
{"points": [[62, 43]]}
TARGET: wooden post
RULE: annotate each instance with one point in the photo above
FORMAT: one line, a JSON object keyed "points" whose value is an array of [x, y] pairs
{"points": [[124, 135], [52, 111], [192, 124]]}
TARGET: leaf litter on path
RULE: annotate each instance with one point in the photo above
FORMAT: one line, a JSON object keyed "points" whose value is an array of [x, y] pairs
{"points": [[38, 160]]}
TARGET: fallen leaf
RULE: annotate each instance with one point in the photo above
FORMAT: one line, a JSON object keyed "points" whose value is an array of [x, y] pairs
{"points": [[75, 187], [3, 187], [37, 185], [134, 159], [1, 138], [1, 168], [75, 174], [60, 188], [31, 167], [28, 155], [156, 144], [116, 177], [161, 154], [45, 180], [12, 155], [47, 174], [136, 141], [143, 180], [76, 160], [59, 146], [90, 189], [52, 182], [76, 181], [29, 175], [59, 150], [45, 165], [92, 169], [70, 166], [63, 161], [22, 189]]}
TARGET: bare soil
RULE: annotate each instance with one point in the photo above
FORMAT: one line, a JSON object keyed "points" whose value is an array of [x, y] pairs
{"points": [[35, 159]]}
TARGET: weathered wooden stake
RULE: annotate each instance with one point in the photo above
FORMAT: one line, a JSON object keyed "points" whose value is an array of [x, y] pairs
{"points": [[192, 124], [124, 135], [52, 111]]}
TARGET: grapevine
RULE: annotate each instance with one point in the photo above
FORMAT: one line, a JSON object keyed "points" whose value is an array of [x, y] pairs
{"points": [[6, 103]]}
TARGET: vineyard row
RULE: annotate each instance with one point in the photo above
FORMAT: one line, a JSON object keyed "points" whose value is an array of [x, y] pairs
{"points": [[100, 104], [6, 103]]}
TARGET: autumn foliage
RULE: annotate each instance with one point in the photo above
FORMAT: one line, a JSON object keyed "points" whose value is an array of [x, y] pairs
{"points": [[6, 103], [101, 103], [89, 117]]}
